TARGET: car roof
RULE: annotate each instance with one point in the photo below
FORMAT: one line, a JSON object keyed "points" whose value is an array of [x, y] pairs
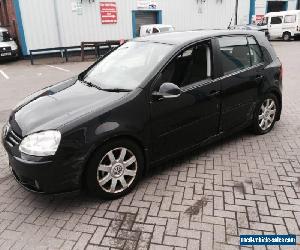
{"points": [[157, 25], [287, 12], [183, 37], [3, 29]]}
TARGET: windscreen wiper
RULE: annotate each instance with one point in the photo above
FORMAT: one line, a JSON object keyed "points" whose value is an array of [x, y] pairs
{"points": [[117, 90], [90, 84]]}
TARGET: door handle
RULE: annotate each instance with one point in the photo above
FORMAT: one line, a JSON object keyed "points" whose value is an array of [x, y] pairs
{"points": [[214, 93]]}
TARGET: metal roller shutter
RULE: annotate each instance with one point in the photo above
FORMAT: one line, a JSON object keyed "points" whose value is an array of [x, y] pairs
{"points": [[144, 18]]}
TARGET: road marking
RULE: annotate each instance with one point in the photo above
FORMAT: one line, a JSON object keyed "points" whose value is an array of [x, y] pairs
{"points": [[3, 74], [59, 68]]}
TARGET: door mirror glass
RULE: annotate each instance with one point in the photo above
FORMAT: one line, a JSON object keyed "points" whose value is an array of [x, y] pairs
{"points": [[167, 90]]}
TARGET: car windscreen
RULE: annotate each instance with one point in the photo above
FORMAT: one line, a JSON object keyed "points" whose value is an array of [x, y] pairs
{"points": [[128, 66], [5, 37]]}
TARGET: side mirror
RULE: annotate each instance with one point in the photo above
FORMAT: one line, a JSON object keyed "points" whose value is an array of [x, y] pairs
{"points": [[167, 90]]}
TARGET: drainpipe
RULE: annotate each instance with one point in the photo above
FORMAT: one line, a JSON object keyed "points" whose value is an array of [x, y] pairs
{"points": [[252, 10], [236, 11]]}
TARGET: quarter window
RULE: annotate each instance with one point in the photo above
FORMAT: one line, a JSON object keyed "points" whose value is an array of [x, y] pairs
{"points": [[290, 19], [276, 20], [255, 51], [235, 53]]}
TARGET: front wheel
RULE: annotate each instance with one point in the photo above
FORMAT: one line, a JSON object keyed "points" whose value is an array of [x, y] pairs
{"points": [[114, 169], [265, 114]]}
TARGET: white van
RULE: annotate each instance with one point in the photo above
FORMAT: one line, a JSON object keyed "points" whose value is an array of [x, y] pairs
{"points": [[8, 47], [283, 24], [155, 28]]}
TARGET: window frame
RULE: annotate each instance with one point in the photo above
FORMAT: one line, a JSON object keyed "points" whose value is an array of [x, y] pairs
{"points": [[178, 53]]}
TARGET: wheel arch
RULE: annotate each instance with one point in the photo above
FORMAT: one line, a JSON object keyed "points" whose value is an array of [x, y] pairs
{"points": [[128, 137], [279, 99]]}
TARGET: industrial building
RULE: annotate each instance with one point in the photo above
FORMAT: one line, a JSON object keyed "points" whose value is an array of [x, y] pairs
{"points": [[40, 24]]}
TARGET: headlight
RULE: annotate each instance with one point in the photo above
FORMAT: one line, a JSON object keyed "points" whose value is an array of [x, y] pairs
{"points": [[14, 47], [41, 144]]}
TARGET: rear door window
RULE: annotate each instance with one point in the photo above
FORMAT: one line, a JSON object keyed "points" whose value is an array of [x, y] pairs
{"points": [[235, 53], [290, 19], [255, 51], [276, 20]]}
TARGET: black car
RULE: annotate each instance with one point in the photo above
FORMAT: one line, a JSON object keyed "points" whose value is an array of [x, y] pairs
{"points": [[145, 102]]}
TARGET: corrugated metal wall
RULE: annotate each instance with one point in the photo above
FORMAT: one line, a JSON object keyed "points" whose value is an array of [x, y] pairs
{"points": [[41, 29]]}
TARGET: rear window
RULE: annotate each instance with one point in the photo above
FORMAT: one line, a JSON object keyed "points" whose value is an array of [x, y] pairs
{"points": [[276, 20], [235, 53], [290, 19]]}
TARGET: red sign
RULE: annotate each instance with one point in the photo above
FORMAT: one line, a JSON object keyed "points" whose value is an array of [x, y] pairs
{"points": [[259, 18], [108, 12]]}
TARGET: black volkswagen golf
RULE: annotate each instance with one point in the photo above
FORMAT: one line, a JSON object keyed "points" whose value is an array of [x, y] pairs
{"points": [[145, 102]]}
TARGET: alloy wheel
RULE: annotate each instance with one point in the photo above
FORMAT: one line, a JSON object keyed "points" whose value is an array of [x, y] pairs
{"points": [[267, 114], [117, 170]]}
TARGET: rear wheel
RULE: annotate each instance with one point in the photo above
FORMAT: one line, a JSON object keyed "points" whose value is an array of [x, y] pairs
{"points": [[265, 114], [114, 169], [286, 36]]}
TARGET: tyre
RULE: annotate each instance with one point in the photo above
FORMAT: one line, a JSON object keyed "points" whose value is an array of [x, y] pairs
{"points": [[114, 169], [286, 36], [265, 114]]}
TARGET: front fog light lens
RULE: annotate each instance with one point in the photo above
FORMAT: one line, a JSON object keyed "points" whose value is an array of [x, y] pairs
{"points": [[41, 144]]}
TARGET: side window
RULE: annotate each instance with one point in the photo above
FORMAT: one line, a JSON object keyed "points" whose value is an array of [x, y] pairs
{"points": [[290, 19], [255, 51], [155, 30], [190, 66], [276, 20], [235, 54]]}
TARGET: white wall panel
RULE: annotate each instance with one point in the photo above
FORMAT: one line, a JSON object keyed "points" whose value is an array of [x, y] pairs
{"points": [[41, 29], [39, 23]]}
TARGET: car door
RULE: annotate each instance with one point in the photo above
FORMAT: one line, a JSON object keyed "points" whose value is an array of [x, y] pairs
{"points": [[242, 64], [181, 122], [275, 27]]}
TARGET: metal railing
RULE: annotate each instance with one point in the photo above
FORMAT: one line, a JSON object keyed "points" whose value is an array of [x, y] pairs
{"points": [[64, 51]]}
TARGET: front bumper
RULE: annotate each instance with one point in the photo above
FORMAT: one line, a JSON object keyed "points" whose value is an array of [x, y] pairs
{"points": [[51, 175], [9, 54]]}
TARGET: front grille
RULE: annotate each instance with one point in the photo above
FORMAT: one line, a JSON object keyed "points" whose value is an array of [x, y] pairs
{"points": [[12, 138], [4, 49]]}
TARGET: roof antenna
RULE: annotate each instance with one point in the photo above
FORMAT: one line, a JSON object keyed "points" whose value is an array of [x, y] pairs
{"points": [[229, 24]]}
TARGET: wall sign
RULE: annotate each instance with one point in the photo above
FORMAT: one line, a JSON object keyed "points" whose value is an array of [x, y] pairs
{"points": [[147, 4], [108, 11]]}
